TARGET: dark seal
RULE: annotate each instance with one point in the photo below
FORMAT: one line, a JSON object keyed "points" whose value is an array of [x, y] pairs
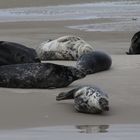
{"points": [[94, 62], [38, 75], [87, 99], [14, 53], [135, 44]]}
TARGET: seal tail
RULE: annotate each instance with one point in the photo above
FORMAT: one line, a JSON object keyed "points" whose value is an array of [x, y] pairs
{"points": [[65, 95]]}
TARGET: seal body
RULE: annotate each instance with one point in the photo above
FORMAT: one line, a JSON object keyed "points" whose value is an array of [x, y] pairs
{"points": [[14, 53], [135, 44], [38, 75], [87, 99], [63, 48], [94, 62]]}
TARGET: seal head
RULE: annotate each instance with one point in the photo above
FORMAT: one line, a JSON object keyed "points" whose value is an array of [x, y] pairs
{"points": [[135, 44], [94, 62]]}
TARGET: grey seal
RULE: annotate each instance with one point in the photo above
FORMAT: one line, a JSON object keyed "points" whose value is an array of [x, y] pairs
{"points": [[87, 99], [63, 48], [38, 75], [94, 62], [14, 53], [135, 44]]}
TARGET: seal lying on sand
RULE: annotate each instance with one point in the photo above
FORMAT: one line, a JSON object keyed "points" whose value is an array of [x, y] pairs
{"points": [[87, 99], [38, 75], [63, 48], [94, 62], [135, 44], [14, 53]]}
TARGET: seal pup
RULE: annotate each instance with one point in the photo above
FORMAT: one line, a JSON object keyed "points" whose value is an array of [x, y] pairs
{"points": [[14, 53], [94, 62], [38, 75], [87, 99], [63, 48], [135, 44]]}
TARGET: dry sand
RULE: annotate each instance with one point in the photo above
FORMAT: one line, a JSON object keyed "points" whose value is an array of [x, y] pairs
{"points": [[25, 108]]}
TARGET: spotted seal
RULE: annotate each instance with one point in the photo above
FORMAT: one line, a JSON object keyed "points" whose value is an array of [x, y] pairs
{"points": [[135, 44], [94, 62], [14, 53], [87, 99], [38, 75], [63, 48]]}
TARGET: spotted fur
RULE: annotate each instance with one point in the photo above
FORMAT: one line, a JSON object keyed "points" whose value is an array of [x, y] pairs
{"points": [[38, 75], [87, 99], [63, 48]]}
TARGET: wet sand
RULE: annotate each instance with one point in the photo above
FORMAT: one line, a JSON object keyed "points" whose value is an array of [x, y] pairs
{"points": [[27, 108], [99, 132]]}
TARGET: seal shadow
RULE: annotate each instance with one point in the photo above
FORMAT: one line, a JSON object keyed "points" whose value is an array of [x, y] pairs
{"points": [[93, 128]]}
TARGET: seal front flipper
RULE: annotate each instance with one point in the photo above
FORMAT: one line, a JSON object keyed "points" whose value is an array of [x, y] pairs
{"points": [[66, 95]]}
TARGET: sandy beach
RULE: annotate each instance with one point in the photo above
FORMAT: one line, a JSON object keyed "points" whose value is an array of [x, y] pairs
{"points": [[29, 108]]}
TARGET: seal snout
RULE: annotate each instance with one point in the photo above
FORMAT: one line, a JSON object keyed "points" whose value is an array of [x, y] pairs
{"points": [[104, 104]]}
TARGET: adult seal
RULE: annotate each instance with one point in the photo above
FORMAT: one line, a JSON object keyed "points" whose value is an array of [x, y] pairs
{"points": [[14, 53], [38, 75], [63, 48], [94, 62], [87, 99], [135, 44]]}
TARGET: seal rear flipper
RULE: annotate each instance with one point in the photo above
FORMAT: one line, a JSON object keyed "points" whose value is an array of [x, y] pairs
{"points": [[66, 95]]}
